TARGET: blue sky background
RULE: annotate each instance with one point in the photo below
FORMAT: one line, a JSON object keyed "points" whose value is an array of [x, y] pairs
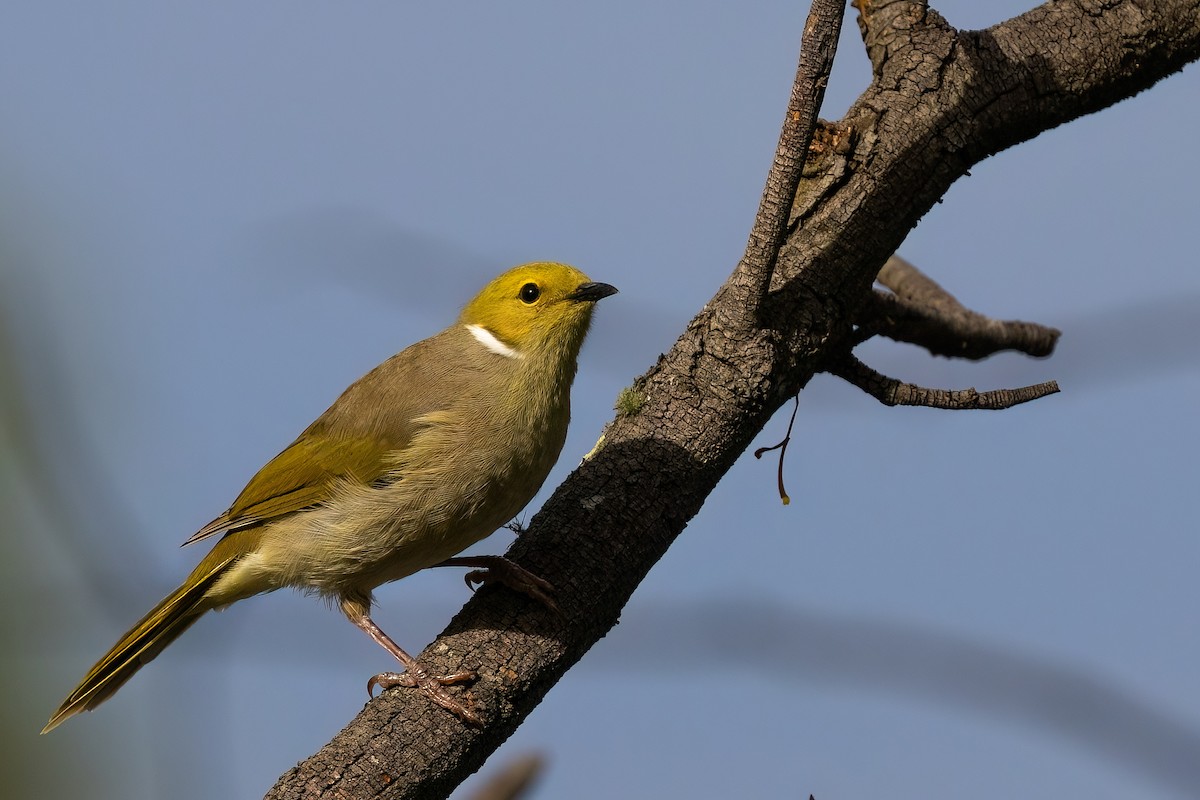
{"points": [[214, 217]]}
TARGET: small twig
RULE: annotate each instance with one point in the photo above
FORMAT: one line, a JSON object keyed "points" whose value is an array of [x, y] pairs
{"points": [[782, 448], [892, 392], [817, 48], [921, 312]]}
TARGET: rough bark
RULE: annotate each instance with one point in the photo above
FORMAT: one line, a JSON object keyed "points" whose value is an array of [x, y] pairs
{"points": [[941, 100]]}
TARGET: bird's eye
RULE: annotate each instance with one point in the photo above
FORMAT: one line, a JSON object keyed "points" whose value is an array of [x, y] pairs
{"points": [[530, 293]]}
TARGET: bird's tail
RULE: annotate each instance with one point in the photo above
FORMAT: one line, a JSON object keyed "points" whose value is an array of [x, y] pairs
{"points": [[166, 621]]}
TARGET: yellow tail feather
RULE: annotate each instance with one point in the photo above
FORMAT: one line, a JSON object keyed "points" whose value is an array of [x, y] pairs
{"points": [[142, 643]]}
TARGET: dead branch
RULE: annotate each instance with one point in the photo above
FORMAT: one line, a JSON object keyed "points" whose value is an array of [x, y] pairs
{"points": [[892, 392], [817, 49], [921, 312]]}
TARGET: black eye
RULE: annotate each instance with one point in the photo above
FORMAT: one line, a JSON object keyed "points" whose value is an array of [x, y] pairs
{"points": [[530, 293]]}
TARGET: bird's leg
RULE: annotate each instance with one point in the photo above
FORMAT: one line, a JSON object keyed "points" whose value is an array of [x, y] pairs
{"points": [[414, 675], [498, 569]]}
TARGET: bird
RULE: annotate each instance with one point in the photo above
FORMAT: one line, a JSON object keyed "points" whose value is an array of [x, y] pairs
{"points": [[423, 456]]}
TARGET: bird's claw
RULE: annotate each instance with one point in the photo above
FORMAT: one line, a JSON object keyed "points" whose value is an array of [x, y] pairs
{"points": [[432, 685], [517, 578]]}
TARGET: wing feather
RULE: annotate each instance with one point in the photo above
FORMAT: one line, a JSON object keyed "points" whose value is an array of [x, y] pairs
{"points": [[359, 436]]}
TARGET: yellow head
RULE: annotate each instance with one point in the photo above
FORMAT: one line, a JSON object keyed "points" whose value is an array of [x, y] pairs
{"points": [[541, 309]]}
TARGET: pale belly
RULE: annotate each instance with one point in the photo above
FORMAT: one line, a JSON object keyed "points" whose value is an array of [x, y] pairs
{"points": [[366, 536]]}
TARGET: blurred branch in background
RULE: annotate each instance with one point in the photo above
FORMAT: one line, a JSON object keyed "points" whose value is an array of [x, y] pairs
{"points": [[513, 780], [985, 680]]}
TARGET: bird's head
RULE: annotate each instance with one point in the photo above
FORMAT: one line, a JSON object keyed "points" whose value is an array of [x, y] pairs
{"points": [[541, 309]]}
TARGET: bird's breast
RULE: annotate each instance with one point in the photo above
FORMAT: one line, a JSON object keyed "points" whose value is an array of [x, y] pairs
{"points": [[465, 472]]}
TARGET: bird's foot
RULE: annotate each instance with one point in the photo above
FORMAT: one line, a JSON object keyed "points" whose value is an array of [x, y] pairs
{"points": [[497, 569], [431, 685]]}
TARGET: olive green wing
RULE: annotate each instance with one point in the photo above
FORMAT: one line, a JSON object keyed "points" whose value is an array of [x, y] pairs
{"points": [[304, 475], [358, 437]]}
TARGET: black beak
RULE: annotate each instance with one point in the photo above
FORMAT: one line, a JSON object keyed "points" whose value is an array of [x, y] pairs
{"points": [[591, 292]]}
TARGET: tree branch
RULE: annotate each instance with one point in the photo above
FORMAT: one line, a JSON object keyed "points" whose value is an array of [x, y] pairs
{"points": [[817, 49], [892, 392], [940, 102], [923, 313]]}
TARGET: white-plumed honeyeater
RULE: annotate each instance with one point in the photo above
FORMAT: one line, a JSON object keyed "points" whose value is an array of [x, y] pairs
{"points": [[423, 456]]}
